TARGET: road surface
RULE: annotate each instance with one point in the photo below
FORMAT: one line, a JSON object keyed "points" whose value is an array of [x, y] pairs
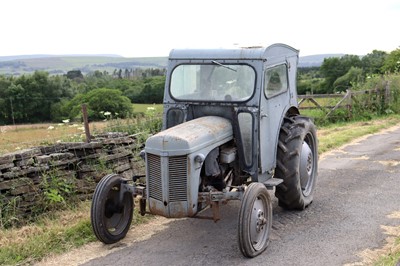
{"points": [[356, 211]]}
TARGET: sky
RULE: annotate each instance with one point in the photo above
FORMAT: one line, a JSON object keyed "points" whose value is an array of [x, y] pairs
{"points": [[149, 28]]}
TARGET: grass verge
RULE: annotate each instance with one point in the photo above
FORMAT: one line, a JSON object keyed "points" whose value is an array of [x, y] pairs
{"points": [[336, 135], [60, 232], [52, 234]]}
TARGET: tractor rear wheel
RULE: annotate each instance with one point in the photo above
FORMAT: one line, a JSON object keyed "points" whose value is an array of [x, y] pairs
{"points": [[111, 214], [255, 220], [297, 163]]}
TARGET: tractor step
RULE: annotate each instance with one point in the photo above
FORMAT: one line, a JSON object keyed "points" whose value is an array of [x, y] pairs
{"points": [[272, 182]]}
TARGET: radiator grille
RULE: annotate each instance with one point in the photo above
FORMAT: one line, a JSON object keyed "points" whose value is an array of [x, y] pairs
{"points": [[177, 178], [154, 170]]}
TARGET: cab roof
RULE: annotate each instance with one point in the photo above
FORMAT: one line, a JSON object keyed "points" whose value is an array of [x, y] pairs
{"points": [[243, 53]]}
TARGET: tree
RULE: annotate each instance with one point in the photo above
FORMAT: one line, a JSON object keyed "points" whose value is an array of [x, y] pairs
{"points": [[334, 67], [392, 62], [99, 101], [331, 69], [153, 91], [354, 75], [75, 74], [372, 63]]}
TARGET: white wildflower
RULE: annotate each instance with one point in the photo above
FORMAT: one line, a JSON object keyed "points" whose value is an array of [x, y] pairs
{"points": [[65, 121], [50, 128], [107, 113]]}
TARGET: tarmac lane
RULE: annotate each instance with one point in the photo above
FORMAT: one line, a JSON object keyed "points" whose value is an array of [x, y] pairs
{"points": [[354, 218]]}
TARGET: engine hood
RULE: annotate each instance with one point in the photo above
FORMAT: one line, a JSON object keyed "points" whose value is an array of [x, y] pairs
{"points": [[190, 136]]}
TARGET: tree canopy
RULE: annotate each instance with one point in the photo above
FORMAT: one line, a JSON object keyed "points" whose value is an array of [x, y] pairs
{"points": [[41, 97], [99, 102], [392, 62]]}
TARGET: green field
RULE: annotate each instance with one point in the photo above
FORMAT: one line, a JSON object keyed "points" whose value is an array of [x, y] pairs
{"points": [[142, 108]]}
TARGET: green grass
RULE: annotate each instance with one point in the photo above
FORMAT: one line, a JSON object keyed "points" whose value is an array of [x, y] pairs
{"points": [[53, 234], [335, 135], [142, 107], [389, 260], [55, 239]]}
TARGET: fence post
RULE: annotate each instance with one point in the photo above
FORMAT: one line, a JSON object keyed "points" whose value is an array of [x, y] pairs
{"points": [[387, 94], [86, 122]]}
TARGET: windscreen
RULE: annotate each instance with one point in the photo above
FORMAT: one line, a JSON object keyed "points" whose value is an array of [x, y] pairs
{"points": [[213, 82]]}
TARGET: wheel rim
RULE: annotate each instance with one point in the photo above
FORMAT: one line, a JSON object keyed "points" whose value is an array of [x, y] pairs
{"points": [[116, 214], [259, 229], [306, 168]]}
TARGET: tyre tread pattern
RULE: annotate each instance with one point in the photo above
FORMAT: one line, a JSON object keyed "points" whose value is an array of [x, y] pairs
{"points": [[291, 137]]}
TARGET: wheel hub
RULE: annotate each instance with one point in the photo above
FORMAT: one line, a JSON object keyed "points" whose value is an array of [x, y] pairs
{"points": [[261, 221], [258, 221], [306, 167]]}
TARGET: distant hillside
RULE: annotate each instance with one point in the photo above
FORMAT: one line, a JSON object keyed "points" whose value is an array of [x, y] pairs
{"points": [[315, 60], [62, 64], [24, 64]]}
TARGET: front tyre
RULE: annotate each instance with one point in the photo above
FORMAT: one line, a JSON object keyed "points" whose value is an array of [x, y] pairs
{"points": [[297, 163], [110, 216], [255, 220]]}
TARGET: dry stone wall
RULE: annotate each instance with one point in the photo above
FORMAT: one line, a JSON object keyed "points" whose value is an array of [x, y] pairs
{"points": [[25, 174]]}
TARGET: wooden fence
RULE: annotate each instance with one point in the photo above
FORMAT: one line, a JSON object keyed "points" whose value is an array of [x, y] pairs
{"points": [[329, 103]]}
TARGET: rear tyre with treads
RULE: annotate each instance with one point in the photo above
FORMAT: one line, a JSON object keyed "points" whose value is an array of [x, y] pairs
{"points": [[297, 162]]}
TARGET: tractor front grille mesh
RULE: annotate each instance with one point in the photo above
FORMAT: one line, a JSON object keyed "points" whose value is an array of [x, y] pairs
{"points": [[177, 179], [154, 172]]}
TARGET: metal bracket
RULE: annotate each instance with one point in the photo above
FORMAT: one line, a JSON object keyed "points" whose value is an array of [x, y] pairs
{"points": [[214, 198], [272, 182]]}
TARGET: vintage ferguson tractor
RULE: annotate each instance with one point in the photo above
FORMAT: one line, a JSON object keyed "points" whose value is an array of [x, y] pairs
{"points": [[231, 131]]}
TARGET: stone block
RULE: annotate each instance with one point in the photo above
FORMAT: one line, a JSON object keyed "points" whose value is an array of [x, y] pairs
{"points": [[122, 168], [21, 190], [25, 162], [59, 147], [118, 141], [14, 183], [7, 158], [128, 174], [6, 166], [26, 153], [43, 159]]}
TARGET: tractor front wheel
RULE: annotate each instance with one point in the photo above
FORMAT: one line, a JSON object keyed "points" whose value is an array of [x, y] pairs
{"points": [[111, 212], [255, 220]]}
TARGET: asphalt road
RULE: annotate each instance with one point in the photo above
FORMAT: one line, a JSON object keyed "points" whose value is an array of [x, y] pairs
{"points": [[356, 197]]}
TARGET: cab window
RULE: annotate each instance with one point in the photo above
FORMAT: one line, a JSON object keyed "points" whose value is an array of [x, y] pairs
{"points": [[275, 80]]}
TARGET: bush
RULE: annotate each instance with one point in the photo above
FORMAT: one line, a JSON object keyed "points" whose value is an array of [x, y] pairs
{"points": [[101, 103]]}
